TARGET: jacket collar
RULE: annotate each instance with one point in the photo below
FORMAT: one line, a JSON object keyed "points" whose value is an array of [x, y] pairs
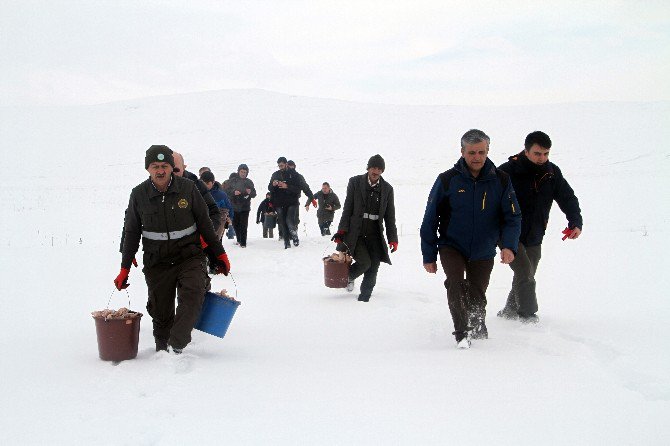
{"points": [[487, 172], [173, 187]]}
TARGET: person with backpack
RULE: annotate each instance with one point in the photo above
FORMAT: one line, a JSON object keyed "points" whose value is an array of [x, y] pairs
{"points": [[471, 208], [538, 183]]}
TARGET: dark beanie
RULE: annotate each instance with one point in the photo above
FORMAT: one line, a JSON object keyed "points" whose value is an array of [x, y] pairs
{"points": [[158, 154], [377, 161], [281, 159], [207, 177], [243, 167]]}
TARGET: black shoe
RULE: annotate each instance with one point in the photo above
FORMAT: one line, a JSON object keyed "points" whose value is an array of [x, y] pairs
{"points": [[362, 298], [287, 244], [177, 351], [296, 242], [327, 231], [161, 345], [480, 331], [528, 318], [462, 339]]}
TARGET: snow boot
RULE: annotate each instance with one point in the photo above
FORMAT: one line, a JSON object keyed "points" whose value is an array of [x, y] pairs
{"points": [[362, 298], [161, 345], [462, 339], [350, 285], [528, 318], [508, 313], [480, 331]]}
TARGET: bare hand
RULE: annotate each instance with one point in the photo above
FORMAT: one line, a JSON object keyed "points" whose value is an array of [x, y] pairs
{"points": [[237, 192], [307, 208], [430, 267], [248, 191], [506, 256], [282, 185]]}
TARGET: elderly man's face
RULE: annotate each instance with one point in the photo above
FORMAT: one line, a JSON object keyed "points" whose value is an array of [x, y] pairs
{"points": [[179, 165], [475, 156], [160, 173]]}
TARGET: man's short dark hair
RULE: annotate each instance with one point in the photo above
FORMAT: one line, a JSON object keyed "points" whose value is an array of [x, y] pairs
{"points": [[207, 176], [281, 159], [326, 184], [474, 136], [539, 138]]}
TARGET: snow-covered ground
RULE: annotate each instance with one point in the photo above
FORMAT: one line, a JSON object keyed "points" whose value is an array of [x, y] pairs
{"points": [[304, 364]]}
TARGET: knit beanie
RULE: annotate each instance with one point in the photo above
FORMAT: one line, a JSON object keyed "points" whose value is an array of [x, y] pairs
{"points": [[158, 154], [377, 161], [243, 167]]}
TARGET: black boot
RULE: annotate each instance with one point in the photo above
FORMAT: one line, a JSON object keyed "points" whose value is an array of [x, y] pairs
{"points": [[161, 345]]}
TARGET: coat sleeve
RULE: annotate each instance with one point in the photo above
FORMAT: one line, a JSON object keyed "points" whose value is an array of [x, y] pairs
{"points": [[567, 201], [389, 218], [429, 225], [336, 202], [511, 219], [253, 189], [132, 233], [204, 223], [348, 207]]}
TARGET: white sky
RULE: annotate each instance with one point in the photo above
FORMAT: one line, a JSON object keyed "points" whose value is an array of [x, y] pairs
{"points": [[413, 52]]}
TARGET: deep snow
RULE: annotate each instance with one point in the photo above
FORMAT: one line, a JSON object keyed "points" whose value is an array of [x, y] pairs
{"points": [[302, 363]]}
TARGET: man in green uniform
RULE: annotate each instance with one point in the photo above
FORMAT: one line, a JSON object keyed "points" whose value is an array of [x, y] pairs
{"points": [[170, 216]]}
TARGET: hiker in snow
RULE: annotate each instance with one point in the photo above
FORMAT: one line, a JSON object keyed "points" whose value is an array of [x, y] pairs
{"points": [[470, 208], [170, 216], [537, 182], [304, 187], [241, 190], [328, 204], [221, 199], [264, 209], [285, 189], [368, 207]]}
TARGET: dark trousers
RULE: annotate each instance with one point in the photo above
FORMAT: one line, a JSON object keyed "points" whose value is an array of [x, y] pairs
{"points": [[268, 231], [367, 255], [241, 223], [190, 280], [466, 284], [286, 220], [522, 297], [325, 227]]}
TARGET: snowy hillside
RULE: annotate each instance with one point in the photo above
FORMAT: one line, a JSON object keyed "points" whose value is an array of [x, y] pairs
{"points": [[304, 364]]}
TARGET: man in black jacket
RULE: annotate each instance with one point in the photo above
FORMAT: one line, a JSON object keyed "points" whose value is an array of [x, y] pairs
{"points": [[169, 215], [537, 182], [285, 189], [368, 207]]}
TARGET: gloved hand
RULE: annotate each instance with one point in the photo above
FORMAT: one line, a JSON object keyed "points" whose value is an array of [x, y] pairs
{"points": [[567, 232], [313, 202], [203, 242], [134, 262], [339, 236], [121, 281], [393, 246], [222, 264]]}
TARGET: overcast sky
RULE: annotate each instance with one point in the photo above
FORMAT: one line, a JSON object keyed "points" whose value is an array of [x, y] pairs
{"points": [[409, 52]]}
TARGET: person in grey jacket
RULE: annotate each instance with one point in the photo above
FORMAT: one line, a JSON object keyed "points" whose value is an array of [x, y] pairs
{"points": [[368, 209], [328, 203], [241, 190]]}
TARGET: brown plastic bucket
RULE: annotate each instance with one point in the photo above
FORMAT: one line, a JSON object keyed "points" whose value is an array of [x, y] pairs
{"points": [[336, 274], [118, 338]]}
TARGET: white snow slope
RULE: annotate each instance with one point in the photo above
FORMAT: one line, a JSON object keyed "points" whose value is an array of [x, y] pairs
{"points": [[304, 364]]}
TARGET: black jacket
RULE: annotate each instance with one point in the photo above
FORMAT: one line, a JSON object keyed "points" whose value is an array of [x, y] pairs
{"points": [[329, 199], [170, 224], [266, 206], [285, 197], [536, 189]]}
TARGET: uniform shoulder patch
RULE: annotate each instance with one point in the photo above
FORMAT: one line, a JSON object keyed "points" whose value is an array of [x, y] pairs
{"points": [[183, 204]]}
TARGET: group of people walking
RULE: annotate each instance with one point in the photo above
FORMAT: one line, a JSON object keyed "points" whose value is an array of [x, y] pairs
{"points": [[472, 209]]}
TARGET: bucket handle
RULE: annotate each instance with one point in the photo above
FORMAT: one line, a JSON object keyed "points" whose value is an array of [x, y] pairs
{"points": [[326, 249], [234, 283], [110, 298]]}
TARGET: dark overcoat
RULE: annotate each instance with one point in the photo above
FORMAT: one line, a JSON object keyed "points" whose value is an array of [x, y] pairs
{"points": [[351, 221]]}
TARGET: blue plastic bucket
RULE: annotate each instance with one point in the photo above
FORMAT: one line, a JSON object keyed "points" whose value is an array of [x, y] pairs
{"points": [[216, 315]]}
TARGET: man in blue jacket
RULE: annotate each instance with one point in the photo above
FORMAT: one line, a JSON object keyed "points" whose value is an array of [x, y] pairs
{"points": [[538, 182], [471, 208]]}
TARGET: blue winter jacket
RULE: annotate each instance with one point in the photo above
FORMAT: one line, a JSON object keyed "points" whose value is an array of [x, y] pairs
{"points": [[471, 215], [222, 200]]}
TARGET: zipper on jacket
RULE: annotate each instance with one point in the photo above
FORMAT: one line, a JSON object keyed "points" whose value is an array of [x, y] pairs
{"points": [[484, 201]]}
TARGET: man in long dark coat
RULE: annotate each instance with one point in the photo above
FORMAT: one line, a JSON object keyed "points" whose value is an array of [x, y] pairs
{"points": [[368, 210]]}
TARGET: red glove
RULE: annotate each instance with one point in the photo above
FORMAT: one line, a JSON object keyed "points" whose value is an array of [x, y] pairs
{"points": [[567, 232], [222, 264], [313, 202], [393, 246], [338, 237], [203, 242], [121, 281]]}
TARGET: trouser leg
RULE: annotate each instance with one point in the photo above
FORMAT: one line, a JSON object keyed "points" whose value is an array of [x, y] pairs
{"points": [[236, 226], [192, 282], [292, 222], [244, 226], [478, 274], [373, 245], [327, 227], [265, 230], [524, 278], [453, 264], [161, 284], [282, 214], [362, 259]]}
